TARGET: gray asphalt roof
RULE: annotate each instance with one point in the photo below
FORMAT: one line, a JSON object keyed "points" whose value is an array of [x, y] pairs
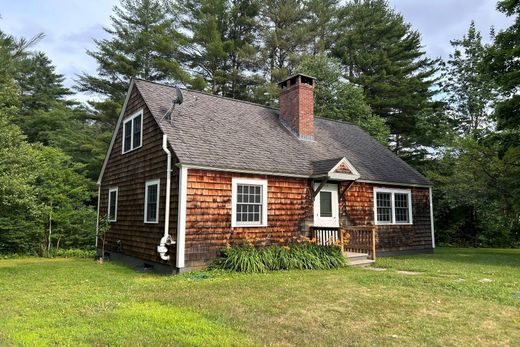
{"points": [[220, 132]]}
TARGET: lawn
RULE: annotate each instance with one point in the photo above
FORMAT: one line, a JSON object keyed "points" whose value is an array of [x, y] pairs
{"points": [[453, 297]]}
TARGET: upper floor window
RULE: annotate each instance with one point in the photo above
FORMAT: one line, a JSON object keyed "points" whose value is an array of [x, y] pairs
{"points": [[132, 132], [151, 202], [112, 204], [249, 203], [392, 206]]}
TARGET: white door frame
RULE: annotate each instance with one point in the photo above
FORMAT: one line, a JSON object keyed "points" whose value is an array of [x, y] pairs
{"points": [[331, 222]]}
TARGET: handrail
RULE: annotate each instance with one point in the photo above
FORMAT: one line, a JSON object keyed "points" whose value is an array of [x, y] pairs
{"points": [[362, 239]]}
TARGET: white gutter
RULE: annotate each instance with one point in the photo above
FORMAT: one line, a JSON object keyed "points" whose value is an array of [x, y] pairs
{"points": [[431, 218], [166, 239], [97, 219], [181, 217]]}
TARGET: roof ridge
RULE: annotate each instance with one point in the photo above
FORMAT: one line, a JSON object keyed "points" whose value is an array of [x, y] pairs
{"points": [[337, 121], [209, 94]]}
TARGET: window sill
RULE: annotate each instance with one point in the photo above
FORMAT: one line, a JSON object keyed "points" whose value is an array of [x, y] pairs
{"points": [[396, 224], [146, 222], [131, 150], [249, 225]]}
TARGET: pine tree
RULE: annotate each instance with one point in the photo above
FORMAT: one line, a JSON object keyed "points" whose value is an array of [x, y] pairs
{"points": [[321, 22], [144, 43], [470, 92], [503, 64], [39, 84], [381, 53], [221, 48]]}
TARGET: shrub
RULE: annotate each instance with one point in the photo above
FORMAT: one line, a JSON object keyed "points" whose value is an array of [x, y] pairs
{"points": [[75, 253], [301, 256]]}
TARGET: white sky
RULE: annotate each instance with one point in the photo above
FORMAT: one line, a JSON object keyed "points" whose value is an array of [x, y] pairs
{"points": [[71, 25]]}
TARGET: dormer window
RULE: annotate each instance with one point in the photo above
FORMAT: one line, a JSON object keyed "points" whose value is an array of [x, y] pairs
{"points": [[133, 132]]}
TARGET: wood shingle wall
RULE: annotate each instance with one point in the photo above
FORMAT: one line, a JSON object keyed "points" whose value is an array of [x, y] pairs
{"points": [[129, 172]]}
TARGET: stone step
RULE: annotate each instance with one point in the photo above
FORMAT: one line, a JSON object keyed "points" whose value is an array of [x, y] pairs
{"points": [[361, 263]]}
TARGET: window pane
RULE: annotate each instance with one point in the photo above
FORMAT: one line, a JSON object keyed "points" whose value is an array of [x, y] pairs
{"points": [[249, 203], [137, 131], [112, 206], [127, 136], [325, 204], [151, 209], [401, 208], [384, 208]]}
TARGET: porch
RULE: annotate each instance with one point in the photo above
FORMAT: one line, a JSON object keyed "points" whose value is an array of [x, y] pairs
{"points": [[358, 243]]}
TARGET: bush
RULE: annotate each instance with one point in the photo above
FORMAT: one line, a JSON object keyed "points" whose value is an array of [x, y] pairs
{"points": [[74, 253], [294, 256]]}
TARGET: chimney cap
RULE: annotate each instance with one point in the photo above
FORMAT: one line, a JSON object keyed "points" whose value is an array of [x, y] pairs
{"points": [[284, 81]]}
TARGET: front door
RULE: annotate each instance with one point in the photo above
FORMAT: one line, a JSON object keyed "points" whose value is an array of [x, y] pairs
{"points": [[326, 210]]}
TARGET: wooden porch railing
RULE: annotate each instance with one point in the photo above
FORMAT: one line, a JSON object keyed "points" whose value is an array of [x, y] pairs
{"points": [[326, 236], [361, 239]]}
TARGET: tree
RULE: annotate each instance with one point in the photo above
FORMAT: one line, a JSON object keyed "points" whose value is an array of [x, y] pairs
{"points": [[144, 44], [322, 19], [471, 92], [503, 64], [336, 98], [383, 55]]}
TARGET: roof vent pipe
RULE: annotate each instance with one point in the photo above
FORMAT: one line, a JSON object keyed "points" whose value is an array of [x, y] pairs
{"points": [[166, 240]]}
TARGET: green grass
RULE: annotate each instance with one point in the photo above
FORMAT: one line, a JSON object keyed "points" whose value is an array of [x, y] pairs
{"points": [[78, 302]]}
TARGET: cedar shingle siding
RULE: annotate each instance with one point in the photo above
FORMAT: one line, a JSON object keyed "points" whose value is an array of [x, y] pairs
{"points": [[129, 172]]}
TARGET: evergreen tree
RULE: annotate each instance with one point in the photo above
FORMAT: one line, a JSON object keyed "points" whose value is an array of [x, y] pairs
{"points": [[503, 63], [382, 54], [144, 44], [470, 92], [221, 49], [39, 84], [322, 19], [336, 98]]}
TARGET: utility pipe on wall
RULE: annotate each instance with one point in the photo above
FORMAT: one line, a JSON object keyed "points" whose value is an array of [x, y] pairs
{"points": [[166, 239]]}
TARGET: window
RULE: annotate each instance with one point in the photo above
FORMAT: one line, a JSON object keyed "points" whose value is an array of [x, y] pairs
{"points": [[132, 132], [151, 202], [392, 206], [249, 203], [112, 204], [325, 204]]}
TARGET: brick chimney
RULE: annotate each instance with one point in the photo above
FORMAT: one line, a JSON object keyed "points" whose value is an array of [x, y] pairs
{"points": [[297, 105]]}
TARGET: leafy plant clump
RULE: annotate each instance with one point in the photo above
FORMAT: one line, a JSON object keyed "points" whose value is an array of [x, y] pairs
{"points": [[75, 253], [301, 256]]}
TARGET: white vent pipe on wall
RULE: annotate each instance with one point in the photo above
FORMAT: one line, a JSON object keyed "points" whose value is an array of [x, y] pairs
{"points": [[166, 240]]}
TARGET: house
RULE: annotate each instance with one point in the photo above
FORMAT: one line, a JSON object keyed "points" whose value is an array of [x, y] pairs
{"points": [[188, 173]]}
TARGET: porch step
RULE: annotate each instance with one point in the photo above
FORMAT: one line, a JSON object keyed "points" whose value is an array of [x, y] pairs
{"points": [[358, 259]]}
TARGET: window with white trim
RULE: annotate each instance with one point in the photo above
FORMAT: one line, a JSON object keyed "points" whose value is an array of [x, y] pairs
{"points": [[249, 203], [392, 206], [151, 201], [112, 204], [132, 132]]}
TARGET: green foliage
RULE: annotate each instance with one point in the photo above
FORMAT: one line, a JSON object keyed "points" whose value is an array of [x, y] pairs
{"points": [[293, 256], [74, 253], [470, 92], [337, 98], [383, 55]]}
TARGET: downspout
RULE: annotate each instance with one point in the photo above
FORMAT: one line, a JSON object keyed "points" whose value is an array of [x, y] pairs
{"points": [[166, 239], [431, 217], [97, 219]]}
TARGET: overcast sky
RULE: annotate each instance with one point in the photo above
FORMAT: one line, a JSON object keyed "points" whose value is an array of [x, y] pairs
{"points": [[71, 25]]}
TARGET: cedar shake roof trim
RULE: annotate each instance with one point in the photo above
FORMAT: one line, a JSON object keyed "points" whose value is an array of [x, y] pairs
{"points": [[209, 131]]}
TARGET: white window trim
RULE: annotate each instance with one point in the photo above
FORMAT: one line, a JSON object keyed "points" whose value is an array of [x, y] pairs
{"points": [[147, 184], [392, 205], [116, 189], [131, 120], [236, 181]]}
